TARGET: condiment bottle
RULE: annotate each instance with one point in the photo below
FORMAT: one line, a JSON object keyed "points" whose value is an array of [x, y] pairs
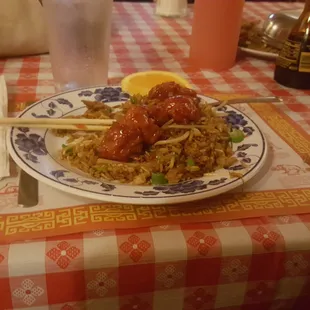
{"points": [[293, 62], [171, 8]]}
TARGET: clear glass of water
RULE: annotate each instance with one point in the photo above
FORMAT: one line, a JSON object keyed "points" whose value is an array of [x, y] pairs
{"points": [[79, 34]]}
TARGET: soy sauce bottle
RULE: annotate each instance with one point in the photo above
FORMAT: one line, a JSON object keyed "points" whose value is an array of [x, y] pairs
{"points": [[293, 62]]}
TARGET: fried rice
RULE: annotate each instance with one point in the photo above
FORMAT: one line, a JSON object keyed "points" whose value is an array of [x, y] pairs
{"points": [[184, 151]]}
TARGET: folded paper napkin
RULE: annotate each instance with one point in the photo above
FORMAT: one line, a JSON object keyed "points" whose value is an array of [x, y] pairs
{"points": [[4, 156]]}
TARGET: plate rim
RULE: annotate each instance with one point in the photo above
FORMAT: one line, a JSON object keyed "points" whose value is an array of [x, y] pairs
{"points": [[142, 200]]}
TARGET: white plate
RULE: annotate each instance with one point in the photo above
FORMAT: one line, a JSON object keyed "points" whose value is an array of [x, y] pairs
{"points": [[260, 54], [35, 151]]}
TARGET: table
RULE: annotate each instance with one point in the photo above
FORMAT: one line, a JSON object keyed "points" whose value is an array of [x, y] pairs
{"points": [[257, 263]]}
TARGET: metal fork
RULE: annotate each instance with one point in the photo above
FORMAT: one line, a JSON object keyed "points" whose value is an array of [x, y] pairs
{"points": [[270, 99], [28, 191]]}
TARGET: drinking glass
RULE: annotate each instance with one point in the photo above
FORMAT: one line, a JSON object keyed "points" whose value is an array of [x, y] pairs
{"points": [[79, 34], [215, 33]]}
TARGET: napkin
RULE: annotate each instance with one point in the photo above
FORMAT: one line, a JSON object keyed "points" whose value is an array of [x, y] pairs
{"points": [[4, 156]]}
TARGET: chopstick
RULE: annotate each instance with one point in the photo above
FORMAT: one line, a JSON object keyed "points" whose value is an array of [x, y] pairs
{"points": [[55, 121], [63, 127], [59, 123]]}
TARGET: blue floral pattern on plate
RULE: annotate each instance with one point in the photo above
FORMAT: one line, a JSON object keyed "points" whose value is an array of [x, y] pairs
{"points": [[35, 150], [31, 144], [61, 176], [237, 121], [182, 188], [105, 94]]}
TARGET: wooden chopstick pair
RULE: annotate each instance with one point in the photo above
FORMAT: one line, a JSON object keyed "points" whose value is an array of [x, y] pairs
{"points": [[104, 124], [82, 124], [59, 123]]}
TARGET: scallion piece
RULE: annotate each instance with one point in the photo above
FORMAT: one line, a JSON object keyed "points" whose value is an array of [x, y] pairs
{"points": [[158, 179], [68, 150], [133, 100], [190, 162], [237, 136]]}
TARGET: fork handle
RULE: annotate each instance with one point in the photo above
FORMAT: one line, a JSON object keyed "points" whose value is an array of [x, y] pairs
{"points": [[255, 100]]}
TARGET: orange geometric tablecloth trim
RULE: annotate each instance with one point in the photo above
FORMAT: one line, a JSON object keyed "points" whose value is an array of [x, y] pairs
{"points": [[225, 207], [285, 128], [118, 216]]}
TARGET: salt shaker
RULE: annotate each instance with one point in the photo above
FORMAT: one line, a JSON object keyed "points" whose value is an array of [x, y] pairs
{"points": [[171, 8]]}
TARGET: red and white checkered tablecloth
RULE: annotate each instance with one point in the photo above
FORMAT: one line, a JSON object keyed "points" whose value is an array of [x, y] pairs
{"points": [[254, 264]]}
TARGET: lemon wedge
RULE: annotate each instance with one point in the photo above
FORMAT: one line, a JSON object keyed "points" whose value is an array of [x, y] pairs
{"points": [[142, 82]]}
